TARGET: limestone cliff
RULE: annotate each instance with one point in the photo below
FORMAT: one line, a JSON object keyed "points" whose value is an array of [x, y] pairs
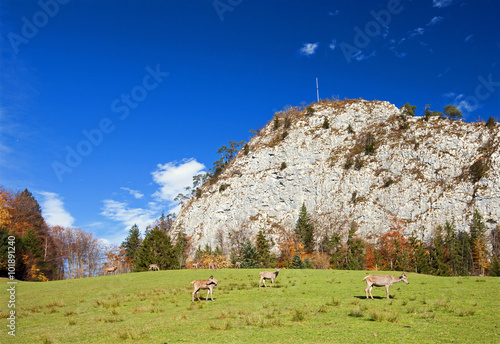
{"points": [[351, 160]]}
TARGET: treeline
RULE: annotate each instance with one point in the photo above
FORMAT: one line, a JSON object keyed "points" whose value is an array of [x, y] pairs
{"points": [[44, 252], [447, 252]]}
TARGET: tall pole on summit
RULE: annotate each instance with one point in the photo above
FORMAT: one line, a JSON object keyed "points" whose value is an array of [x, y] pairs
{"points": [[317, 90]]}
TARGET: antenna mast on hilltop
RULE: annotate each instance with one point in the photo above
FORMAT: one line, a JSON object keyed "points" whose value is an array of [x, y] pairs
{"points": [[317, 90]]}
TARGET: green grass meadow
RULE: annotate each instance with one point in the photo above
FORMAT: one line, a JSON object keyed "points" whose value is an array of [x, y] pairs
{"points": [[305, 306]]}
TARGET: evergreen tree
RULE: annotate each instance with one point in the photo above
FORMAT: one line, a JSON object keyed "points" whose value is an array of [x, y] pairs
{"points": [[307, 264], [180, 248], [451, 244], [131, 244], [297, 262], [465, 251], [452, 112], [355, 250], [266, 259], [478, 244], [333, 247], [438, 254], [495, 251], [408, 109], [305, 229], [156, 248], [249, 256], [421, 257]]}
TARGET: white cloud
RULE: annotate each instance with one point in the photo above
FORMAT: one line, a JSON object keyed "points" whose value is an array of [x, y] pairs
{"points": [[53, 210], [359, 56], [309, 48], [417, 32], [135, 193], [468, 38], [465, 106], [119, 211], [434, 21], [441, 3], [334, 13], [333, 44], [173, 178]]}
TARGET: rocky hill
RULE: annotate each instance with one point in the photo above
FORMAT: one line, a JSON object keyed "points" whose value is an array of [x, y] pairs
{"points": [[351, 160]]}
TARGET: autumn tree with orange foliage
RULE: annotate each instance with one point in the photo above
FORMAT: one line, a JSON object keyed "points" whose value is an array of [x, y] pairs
{"points": [[394, 248]]}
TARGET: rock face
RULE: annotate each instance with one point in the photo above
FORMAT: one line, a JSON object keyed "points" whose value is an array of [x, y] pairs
{"points": [[351, 161]]}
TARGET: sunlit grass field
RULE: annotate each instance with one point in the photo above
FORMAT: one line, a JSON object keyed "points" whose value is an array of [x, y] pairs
{"points": [[304, 306]]}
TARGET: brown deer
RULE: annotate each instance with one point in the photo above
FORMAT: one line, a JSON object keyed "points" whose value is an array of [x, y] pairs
{"points": [[209, 284], [212, 266], [237, 265], [194, 266], [382, 281], [268, 275], [153, 267], [111, 270]]}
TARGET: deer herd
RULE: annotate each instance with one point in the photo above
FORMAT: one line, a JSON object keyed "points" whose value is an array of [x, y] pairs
{"points": [[211, 283]]}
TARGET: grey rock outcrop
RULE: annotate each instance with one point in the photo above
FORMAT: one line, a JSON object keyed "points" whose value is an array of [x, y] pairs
{"points": [[418, 171]]}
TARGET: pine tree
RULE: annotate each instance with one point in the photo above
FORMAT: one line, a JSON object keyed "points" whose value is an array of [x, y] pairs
{"points": [[297, 262], [180, 248], [451, 243], [355, 255], [156, 248], [438, 254], [478, 243], [263, 250], [333, 247], [305, 229], [249, 256], [131, 244]]}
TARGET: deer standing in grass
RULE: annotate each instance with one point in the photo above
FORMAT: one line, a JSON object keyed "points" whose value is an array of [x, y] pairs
{"points": [[268, 275], [154, 267], [111, 270], [382, 281], [209, 284], [237, 265], [212, 266]]}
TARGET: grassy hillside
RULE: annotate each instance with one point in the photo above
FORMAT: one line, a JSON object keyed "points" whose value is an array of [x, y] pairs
{"points": [[305, 306]]}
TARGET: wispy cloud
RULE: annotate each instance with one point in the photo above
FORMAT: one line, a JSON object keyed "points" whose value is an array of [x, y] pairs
{"points": [[397, 53], [417, 32], [441, 3], [135, 193], [360, 56], [53, 210], [460, 101], [173, 178], [309, 48], [333, 13], [435, 20], [121, 212], [468, 38], [333, 44]]}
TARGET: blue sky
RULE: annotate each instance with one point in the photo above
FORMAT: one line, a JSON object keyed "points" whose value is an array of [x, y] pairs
{"points": [[107, 108]]}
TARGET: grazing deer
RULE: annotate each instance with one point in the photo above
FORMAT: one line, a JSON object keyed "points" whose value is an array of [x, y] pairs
{"points": [[194, 266], [382, 281], [111, 269], [153, 267], [209, 284], [237, 265], [268, 275], [212, 266]]}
